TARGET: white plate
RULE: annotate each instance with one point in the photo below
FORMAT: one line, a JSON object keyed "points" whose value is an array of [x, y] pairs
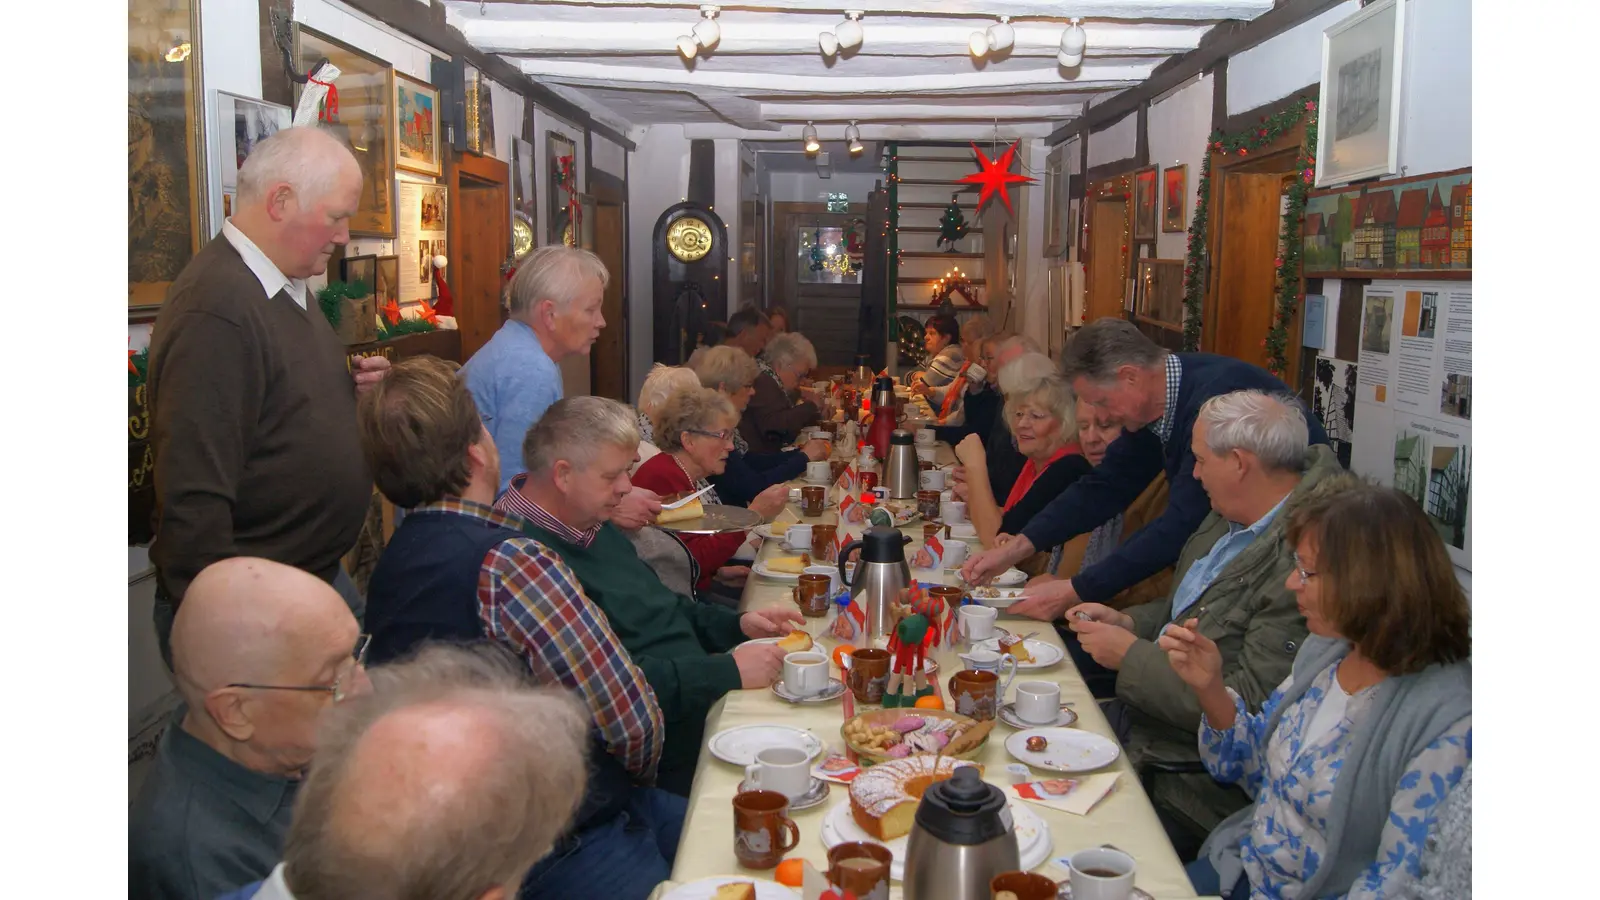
{"points": [[1010, 578], [706, 888], [738, 746], [760, 568], [765, 530], [1007, 596], [833, 691], [1066, 750], [1044, 654], [1033, 836]]}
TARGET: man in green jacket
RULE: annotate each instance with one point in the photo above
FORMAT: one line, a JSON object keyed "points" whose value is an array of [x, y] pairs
{"points": [[1251, 455], [577, 457]]}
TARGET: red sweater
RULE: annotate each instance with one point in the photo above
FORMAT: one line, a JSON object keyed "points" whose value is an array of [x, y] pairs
{"points": [[662, 474]]}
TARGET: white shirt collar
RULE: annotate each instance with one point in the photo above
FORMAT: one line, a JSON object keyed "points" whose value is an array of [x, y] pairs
{"points": [[274, 887], [272, 280]]}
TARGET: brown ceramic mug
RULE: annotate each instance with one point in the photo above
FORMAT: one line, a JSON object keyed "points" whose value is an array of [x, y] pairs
{"points": [[928, 505], [812, 497], [861, 868], [1024, 885], [932, 529], [974, 694], [951, 595], [869, 674], [762, 829], [823, 535], [811, 594]]}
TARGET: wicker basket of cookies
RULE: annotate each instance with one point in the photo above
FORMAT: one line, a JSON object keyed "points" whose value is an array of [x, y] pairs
{"points": [[885, 734]]}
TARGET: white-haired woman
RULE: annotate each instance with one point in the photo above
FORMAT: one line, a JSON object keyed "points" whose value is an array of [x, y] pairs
{"points": [[1041, 416], [773, 418], [662, 382], [733, 373]]}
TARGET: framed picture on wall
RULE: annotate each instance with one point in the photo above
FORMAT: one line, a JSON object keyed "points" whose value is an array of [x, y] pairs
{"points": [[365, 123], [1174, 197], [244, 123], [387, 287], [479, 103], [362, 269], [1145, 194], [561, 157], [1358, 126], [416, 125]]}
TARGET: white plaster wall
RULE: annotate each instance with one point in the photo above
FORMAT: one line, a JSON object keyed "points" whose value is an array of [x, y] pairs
{"points": [[507, 107], [1028, 309], [726, 155], [1436, 89], [1272, 69], [808, 187], [609, 157], [230, 61], [1179, 125], [658, 176], [1117, 142]]}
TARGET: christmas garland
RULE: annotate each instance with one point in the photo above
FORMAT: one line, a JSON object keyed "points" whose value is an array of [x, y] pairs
{"points": [[1289, 264]]}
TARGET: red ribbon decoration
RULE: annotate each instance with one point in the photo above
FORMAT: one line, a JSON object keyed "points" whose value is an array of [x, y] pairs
{"points": [[329, 111]]}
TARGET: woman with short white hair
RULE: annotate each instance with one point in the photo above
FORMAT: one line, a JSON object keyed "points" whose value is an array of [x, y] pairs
{"points": [[733, 372], [773, 418], [662, 382]]}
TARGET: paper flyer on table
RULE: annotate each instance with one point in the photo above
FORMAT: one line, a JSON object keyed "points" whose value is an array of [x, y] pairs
{"points": [[1074, 795]]}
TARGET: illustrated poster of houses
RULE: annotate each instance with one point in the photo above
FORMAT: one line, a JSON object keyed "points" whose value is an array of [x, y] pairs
{"points": [[1407, 226], [1333, 401]]}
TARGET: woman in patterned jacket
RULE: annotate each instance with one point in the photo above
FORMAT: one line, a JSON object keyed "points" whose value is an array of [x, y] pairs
{"points": [[1351, 757]]}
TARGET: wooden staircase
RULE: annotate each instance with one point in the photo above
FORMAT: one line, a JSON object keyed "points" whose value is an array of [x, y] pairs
{"points": [[922, 180]]}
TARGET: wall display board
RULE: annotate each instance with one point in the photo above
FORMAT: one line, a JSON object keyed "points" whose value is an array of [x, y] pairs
{"points": [[1413, 410], [424, 216]]}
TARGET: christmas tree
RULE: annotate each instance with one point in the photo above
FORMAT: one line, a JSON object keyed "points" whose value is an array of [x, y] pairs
{"points": [[952, 227]]}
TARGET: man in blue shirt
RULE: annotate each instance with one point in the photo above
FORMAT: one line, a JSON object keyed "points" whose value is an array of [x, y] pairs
{"points": [[554, 308]]}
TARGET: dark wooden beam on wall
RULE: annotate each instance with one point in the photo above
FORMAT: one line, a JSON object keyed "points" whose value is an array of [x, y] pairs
{"points": [[1219, 94], [1141, 144], [1221, 42], [427, 24]]}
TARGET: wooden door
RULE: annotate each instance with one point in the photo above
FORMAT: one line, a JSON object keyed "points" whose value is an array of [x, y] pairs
{"points": [[1108, 259], [1246, 277], [480, 242], [608, 358]]}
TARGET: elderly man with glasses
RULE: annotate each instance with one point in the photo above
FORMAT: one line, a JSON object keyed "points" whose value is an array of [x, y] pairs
{"points": [[259, 651]]}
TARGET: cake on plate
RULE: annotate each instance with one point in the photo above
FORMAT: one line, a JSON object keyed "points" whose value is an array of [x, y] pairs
{"points": [[735, 890], [691, 510], [789, 565], [1016, 647], [884, 797], [796, 641]]}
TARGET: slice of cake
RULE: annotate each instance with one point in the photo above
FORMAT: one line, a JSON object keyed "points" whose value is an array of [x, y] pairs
{"points": [[735, 890], [1017, 647], [789, 565], [691, 510], [796, 641]]}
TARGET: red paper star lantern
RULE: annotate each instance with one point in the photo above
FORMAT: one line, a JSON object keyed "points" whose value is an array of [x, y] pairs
{"points": [[391, 311], [995, 176]]}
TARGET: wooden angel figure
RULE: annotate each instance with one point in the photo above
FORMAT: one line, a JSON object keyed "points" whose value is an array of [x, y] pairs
{"points": [[913, 634]]}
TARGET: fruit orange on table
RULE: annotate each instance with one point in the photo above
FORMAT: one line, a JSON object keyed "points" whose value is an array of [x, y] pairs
{"points": [[932, 701], [840, 652], [791, 872]]}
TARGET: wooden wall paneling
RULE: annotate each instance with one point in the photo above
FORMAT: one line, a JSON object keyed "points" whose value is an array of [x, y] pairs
{"points": [[479, 243]]}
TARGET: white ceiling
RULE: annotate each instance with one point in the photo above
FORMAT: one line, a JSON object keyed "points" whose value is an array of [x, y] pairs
{"points": [[911, 78]]}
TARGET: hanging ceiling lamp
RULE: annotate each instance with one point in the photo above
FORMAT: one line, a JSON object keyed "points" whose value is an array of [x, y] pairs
{"points": [[1073, 42], [705, 34], [810, 137], [852, 134]]}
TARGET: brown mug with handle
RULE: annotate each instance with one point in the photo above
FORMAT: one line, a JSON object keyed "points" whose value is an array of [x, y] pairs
{"points": [[762, 829]]}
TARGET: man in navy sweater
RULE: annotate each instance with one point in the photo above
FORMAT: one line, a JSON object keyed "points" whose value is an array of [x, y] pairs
{"points": [[1156, 396]]}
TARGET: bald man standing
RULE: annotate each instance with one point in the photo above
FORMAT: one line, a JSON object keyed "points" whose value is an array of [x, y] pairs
{"points": [[260, 651], [252, 403]]}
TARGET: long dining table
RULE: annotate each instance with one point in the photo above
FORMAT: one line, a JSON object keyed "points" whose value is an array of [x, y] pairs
{"points": [[1124, 818]]}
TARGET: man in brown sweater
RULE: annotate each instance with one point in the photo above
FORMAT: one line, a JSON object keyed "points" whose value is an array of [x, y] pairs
{"points": [[253, 407]]}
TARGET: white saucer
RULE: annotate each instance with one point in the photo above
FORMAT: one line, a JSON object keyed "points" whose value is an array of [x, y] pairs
{"points": [[813, 796], [833, 691], [1010, 578], [1008, 715], [739, 745], [1044, 654]]}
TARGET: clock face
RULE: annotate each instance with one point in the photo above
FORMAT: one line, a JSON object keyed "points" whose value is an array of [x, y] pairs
{"points": [[521, 235], [689, 239]]}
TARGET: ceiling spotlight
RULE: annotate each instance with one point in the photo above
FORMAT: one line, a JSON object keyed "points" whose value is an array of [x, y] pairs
{"points": [[687, 46], [849, 31], [703, 36], [810, 136], [1001, 35], [852, 134], [828, 42], [978, 44], [1073, 41]]}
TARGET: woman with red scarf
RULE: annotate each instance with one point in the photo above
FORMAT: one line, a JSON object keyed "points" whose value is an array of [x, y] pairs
{"points": [[1041, 417]]}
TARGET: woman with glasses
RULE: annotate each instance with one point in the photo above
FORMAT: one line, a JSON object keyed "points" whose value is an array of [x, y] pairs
{"points": [[782, 403], [1040, 415], [1352, 756], [732, 373], [695, 433]]}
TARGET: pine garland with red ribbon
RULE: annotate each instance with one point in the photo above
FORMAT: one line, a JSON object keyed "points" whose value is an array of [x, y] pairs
{"points": [[1289, 295], [570, 185]]}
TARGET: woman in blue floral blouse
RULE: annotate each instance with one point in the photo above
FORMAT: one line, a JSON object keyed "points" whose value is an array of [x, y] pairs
{"points": [[1351, 756]]}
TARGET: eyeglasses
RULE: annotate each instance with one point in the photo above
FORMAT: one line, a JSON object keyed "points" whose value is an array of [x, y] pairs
{"points": [[724, 435], [358, 656], [1301, 569]]}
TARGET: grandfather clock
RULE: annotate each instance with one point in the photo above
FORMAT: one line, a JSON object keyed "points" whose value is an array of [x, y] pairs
{"points": [[690, 252]]}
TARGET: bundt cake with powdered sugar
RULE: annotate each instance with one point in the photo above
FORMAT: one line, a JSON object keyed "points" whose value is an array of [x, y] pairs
{"points": [[884, 797]]}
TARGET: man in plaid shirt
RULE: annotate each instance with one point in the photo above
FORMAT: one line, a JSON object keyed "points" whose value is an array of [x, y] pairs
{"points": [[458, 570]]}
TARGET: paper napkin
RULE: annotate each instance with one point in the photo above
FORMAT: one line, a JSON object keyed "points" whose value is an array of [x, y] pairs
{"points": [[1074, 795]]}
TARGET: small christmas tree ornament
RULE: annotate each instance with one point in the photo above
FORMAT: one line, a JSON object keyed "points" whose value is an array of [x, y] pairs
{"points": [[952, 227]]}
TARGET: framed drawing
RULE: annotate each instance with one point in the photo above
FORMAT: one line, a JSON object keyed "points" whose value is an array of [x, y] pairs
{"points": [[416, 126], [168, 206], [387, 289], [522, 190], [1358, 131], [479, 102], [561, 156], [1145, 193], [1174, 198], [243, 123], [365, 122], [362, 269]]}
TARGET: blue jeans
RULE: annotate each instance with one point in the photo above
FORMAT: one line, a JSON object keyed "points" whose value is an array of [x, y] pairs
{"points": [[1207, 883], [621, 859]]}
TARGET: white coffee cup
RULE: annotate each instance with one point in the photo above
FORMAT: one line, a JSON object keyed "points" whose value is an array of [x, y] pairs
{"points": [[1088, 880], [786, 770], [831, 571], [926, 453], [805, 674], [817, 472], [798, 537], [955, 553], [931, 479], [1038, 702], [953, 511], [977, 622], [925, 437]]}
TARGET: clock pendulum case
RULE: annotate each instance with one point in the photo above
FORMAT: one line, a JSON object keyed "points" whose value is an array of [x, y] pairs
{"points": [[690, 253]]}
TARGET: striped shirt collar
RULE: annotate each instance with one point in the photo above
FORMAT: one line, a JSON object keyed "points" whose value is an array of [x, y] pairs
{"points": [[513, 502], [1163, 426]]}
